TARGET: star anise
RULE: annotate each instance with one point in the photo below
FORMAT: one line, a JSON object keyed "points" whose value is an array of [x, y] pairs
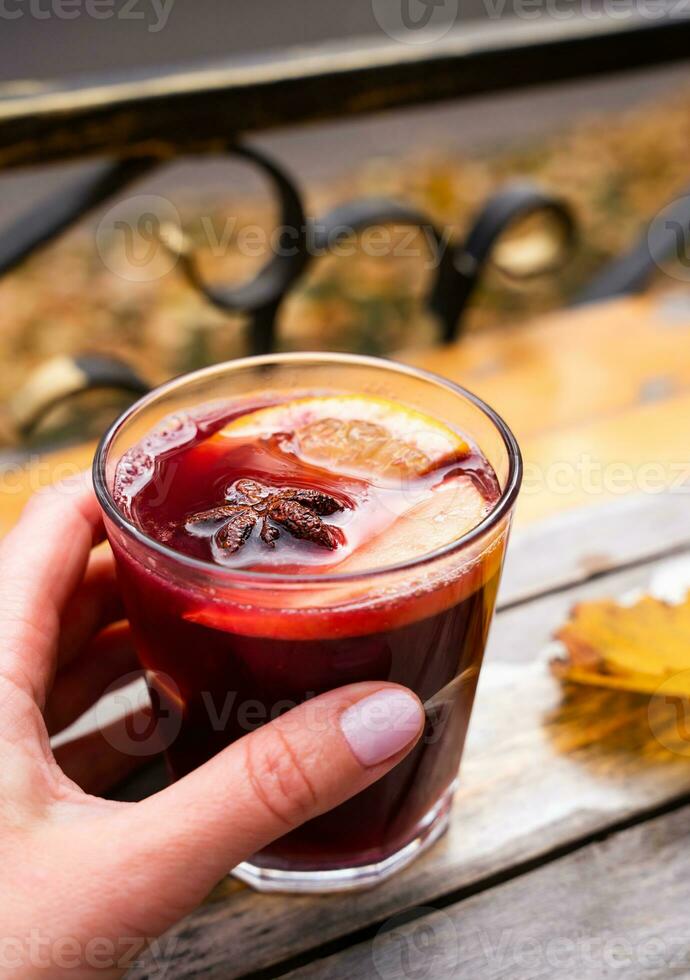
{"points": [[296, 510]]}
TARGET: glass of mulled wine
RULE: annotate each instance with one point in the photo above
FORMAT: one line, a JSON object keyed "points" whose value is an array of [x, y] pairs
{"points": [[288, 524]]}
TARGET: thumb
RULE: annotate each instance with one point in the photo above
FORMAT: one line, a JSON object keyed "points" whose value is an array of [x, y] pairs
{"points": [[183, 839]]}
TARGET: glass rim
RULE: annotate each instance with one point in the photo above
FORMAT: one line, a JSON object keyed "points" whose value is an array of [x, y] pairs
{"points": [[239, 576]]}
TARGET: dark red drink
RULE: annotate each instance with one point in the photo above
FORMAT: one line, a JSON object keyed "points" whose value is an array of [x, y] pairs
{"points": [[304, 538]]}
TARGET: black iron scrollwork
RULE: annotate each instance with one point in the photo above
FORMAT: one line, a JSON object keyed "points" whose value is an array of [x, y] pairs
{"points": [[61, 209], [260, 298], [371, 212], [457, 266]]}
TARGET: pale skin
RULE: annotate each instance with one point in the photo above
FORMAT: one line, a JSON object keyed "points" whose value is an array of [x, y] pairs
{"points": [[80, 876]]}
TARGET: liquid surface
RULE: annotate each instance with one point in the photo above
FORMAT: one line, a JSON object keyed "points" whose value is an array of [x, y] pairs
{"points": [[398, 484]]}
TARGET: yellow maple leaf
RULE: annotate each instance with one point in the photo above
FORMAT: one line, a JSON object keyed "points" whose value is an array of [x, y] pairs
{"points": [[635, 648]]}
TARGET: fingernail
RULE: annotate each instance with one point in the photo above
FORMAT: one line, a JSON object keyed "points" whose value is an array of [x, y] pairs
{"points": [[381, 725]]}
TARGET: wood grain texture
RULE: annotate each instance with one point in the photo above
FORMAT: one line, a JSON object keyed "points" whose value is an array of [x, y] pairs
{"points": [[598, 397], [544, 767], [511, 638], [645, 447], [615, 908], [574, 367], [569, 548]]}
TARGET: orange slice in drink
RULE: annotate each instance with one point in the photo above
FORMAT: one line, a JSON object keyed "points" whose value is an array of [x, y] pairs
{"points": [[449, 511], [355, 434]]}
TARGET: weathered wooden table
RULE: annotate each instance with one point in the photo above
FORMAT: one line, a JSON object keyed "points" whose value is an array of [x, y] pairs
{"points": [[570, 838]]}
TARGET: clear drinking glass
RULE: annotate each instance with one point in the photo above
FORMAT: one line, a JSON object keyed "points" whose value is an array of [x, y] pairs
{"points": [[214, 640]]}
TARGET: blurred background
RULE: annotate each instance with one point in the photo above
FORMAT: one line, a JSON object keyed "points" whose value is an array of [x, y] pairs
{"points": [[612, 148]]}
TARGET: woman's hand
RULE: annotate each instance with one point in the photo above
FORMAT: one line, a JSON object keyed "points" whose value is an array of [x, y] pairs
{"points": [[84, 880]]}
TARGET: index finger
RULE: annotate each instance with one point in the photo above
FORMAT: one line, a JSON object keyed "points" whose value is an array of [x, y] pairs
{"points": [[42, 560]]}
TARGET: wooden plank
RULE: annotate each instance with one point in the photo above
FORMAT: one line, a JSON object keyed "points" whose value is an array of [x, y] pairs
{"points": [[613, 908], [543, 769], [642, 449], [511, 639], [599, 398], [573, 547], [205, 107], [574, 367]]}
